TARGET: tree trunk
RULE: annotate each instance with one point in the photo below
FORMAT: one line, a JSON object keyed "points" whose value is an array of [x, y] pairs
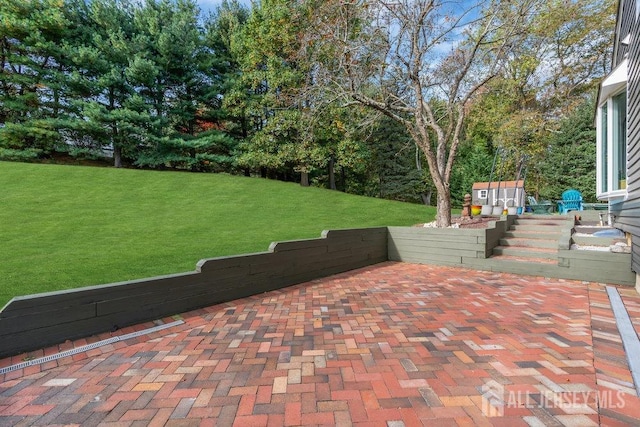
{"points": [[332, 175], [443, 209], [117, 156], [426, 198], [304, 179]]}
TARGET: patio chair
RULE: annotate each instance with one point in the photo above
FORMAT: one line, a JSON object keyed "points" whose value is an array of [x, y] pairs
{"points": [[571, 201], [544, 207]]}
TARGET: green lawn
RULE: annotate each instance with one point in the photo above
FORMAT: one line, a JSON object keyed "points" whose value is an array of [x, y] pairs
{"points": [[69, 226]]}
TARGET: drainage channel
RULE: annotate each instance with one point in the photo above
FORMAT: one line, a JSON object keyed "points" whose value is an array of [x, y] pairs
{"points": [[88, 347], [630, 340]]}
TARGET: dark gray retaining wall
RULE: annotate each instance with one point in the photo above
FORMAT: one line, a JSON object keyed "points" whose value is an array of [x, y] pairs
{"points": [[36, 321]]}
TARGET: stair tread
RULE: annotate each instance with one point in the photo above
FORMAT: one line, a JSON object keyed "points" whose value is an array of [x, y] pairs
{"points": [[541, 218], [536, 226], [535, 239], [524, 259], [516, 238], [529, 243], [531, 248]]}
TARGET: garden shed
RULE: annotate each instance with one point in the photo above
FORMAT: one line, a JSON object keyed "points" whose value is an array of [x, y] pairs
{"points": [[506, 193]]}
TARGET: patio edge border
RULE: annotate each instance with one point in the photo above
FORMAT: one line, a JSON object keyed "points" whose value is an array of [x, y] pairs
{"points": [[630, 340]]}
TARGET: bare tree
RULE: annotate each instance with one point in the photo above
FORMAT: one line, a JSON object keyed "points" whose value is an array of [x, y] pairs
{"points": [[419, 62]]}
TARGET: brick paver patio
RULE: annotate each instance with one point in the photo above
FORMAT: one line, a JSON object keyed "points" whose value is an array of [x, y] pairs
{"points": [[392, 345]]}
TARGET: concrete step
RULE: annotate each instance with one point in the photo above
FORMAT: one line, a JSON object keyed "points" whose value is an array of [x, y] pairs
{"points": [[527, 243], [541, 219], [553, 228], [526, 252], [532, 267], [516, 260], [534, 235]]}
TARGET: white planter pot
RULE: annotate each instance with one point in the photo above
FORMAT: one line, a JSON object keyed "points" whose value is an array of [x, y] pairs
{"points": [[486, 210], [513, 210], [497, 210]]}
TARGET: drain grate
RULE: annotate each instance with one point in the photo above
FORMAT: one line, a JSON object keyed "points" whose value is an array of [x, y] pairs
{"points": [[88, 347]]}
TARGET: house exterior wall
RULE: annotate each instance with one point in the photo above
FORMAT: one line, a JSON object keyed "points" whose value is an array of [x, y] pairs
{"points": [[627, 212], [626, 18]]}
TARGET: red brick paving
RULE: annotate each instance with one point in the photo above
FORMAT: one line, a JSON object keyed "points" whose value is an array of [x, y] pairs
{"points": [[390, 345]]}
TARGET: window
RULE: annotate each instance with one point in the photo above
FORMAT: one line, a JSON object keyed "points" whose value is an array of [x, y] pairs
{"points": [[482, 194], [619, 142], [604, 156], [612, 146]]}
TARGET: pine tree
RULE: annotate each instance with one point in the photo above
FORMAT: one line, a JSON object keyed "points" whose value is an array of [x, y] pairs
{"points": [[33, 70]]}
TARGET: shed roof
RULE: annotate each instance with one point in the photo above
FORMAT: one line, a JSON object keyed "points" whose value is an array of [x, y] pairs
{"points": [[494, 184]]}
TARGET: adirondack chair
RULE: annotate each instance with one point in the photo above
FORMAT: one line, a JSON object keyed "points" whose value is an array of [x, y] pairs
{"points": [[544, 207], [571, 201]]}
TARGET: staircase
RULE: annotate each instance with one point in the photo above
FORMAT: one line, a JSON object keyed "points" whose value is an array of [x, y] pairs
{"points": [[530, 246]]}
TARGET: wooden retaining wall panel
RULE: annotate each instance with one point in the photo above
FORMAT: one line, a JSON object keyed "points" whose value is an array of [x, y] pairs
{"points": [[581, 272], [595, 266], [514, 267], [429, 250], [496, 231], [295, 245], [437, 235], [121, 298], [493, 236], [596, 256], [441, 245], [36, 321], [221, 263], [446, 246], [420, 258], [376, 241], [434, 246], [209, 292], [89, 294], [52, 334], [594, 241]]}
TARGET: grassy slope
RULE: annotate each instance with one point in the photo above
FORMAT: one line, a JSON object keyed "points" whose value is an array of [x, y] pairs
{"points": [[69, 226]]}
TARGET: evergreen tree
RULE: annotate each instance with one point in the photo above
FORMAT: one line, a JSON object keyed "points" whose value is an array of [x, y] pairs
{"points": [[570, 161], [33, 70], [111, 115], [397, 164], [173, 74], [226, 100]]}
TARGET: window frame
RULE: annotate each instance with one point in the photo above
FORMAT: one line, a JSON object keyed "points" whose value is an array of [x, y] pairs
{"points": [[607, 183]]}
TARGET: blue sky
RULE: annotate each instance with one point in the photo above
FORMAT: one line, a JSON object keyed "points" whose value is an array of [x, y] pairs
{"points": [[210, 5]]}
